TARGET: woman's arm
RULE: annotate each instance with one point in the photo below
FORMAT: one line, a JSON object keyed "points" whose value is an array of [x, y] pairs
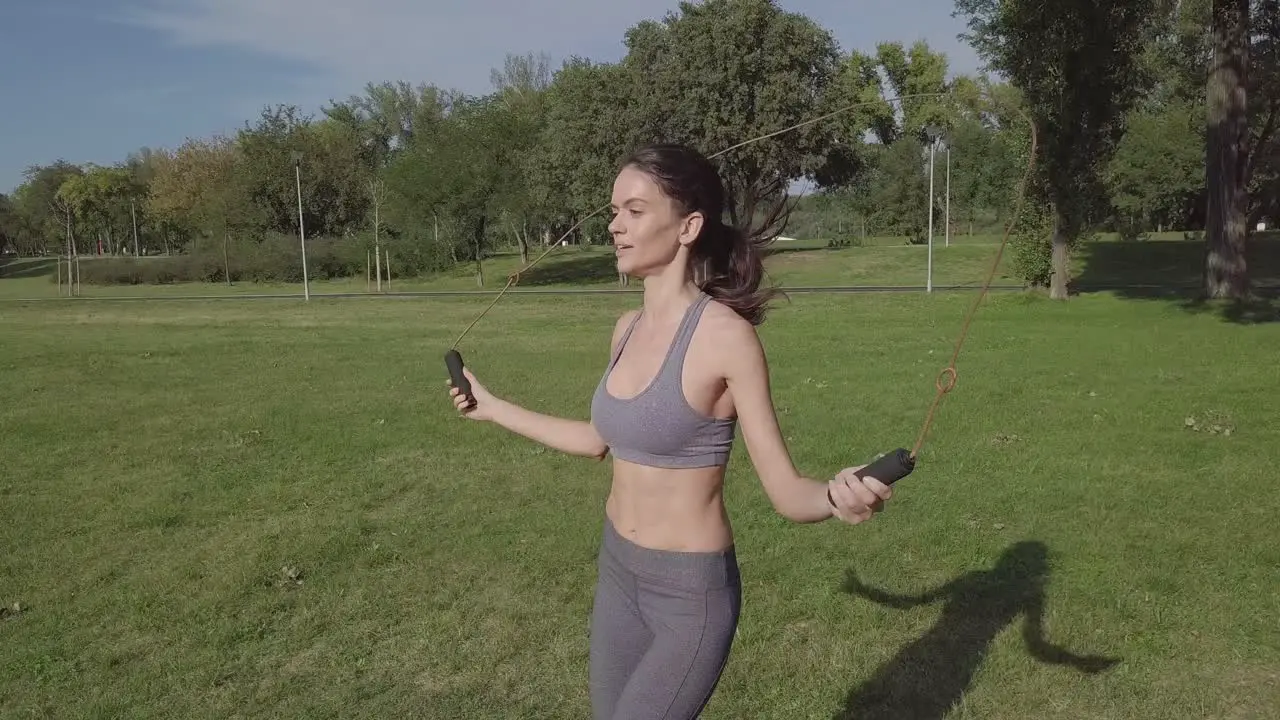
{"points": [[795, 497], [573, 437]]}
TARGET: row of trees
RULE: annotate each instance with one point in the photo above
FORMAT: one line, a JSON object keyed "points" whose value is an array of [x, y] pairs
{"points": [[1151, 114]]}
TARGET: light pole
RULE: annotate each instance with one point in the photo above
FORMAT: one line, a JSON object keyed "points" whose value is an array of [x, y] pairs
{"points": [[302, 233], [947, 223], [933, 132]]}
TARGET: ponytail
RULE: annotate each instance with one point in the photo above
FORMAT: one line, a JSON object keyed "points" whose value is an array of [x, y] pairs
{"points": [[728, 264]]}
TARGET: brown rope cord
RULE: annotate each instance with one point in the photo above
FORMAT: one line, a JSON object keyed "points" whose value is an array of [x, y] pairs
{"points": [[949, 372]]}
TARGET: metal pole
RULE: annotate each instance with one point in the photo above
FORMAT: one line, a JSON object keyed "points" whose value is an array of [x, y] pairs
{"points": [[302, 233], [948, 222], [929, 277], [134, 213]]}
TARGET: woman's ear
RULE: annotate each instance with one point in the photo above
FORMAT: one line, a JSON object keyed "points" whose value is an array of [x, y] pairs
{"points": [[691, 228]]}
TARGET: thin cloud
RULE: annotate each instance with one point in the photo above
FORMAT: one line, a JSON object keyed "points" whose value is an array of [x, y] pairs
{"points": [[342, 44], [359, 41]]}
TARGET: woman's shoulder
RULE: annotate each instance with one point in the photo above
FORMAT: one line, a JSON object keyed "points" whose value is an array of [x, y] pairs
{"points": [[624, 321], [726, 330]]}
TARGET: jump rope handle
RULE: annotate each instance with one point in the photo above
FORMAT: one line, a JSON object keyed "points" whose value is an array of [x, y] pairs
{"points": [[453, 360], [888, 468]]}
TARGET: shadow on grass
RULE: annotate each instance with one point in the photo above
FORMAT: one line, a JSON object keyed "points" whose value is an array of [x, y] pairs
{"points": [[789, 249], [1170, 271], [929, 676], [25, 268], [574, 267]]}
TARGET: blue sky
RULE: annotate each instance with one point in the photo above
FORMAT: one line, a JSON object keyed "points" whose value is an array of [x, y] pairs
{"points": [[93, 80]]}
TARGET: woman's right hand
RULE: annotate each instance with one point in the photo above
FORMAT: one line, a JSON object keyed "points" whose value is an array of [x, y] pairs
{"points": [[484, 402]]}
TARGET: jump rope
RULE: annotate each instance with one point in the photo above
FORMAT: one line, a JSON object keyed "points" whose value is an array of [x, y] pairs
{"points": [[890, 467]]}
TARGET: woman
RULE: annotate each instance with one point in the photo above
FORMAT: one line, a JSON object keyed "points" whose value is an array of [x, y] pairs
{"points": [[684, 371]]}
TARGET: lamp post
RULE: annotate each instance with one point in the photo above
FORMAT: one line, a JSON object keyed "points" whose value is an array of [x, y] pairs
{"points": [[947, 221], [302, 233], [933, 132]]}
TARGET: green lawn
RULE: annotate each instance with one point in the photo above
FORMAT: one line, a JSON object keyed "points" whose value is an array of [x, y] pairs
{"points": [[269, 509], [802, 263], [574, 266]]}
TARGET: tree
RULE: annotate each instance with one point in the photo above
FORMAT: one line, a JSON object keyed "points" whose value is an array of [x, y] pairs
{"points": [[723, 71], [101, 200], [197, 190], [1075, 63], [521, 100], [454, 173], [1227, 135], [40, 217], [8, 225], [912, 72], [335, 199], [589, 123], [1156, 177], [1262, 156]]}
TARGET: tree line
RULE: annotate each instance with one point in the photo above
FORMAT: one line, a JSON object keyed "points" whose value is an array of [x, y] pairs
{"points": [[1150, 115]]}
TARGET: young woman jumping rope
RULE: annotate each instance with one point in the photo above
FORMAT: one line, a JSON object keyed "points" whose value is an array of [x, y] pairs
{"points": [[684, 371]]}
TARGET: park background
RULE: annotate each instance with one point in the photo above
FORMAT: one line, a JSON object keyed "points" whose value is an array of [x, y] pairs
{"points": [[232, 492]]}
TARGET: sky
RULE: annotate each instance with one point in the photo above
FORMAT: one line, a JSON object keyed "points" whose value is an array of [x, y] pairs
{"points": [[90, 81]]}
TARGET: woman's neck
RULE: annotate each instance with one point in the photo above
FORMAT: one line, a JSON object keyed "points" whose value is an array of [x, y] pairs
{"points": [[667, 295]]}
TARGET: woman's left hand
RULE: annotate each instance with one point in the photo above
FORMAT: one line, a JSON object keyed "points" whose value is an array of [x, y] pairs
{"points": [[857, 499]]}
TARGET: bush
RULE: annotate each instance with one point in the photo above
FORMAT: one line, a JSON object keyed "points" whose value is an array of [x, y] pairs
{"points": [[845, 241], [1032, 244], [276, 258]]}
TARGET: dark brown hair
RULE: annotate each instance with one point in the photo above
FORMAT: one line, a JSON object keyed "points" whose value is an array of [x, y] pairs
{"points": [[728, 262]]}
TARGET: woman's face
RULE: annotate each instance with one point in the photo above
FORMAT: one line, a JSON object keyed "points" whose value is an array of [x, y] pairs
{"points": [[647, 227]]}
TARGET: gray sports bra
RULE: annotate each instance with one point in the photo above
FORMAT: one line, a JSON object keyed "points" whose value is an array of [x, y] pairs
{"points": [[658, 427]]}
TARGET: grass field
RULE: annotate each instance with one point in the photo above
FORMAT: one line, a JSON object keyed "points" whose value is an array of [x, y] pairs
{"points": [[242, 508], [1166, 262]]}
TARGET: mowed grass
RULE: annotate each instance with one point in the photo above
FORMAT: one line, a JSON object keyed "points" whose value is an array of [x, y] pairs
{"points": [[1106, 263], [242, 509], [793, 264]]}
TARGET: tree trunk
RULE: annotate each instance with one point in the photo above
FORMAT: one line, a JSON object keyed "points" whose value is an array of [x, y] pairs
{"points": [[520, 242], [478, 237], [226, 259], [1060, 270], [1225, 272], [134, 214]]}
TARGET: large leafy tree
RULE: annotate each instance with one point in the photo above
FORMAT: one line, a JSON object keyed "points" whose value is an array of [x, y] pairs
{"points": [[195, 189], [1076, 65], [457, 172], [41, 220], [102, 200], [1226, 160], [589, 124], [721, 72], [334, 195]]}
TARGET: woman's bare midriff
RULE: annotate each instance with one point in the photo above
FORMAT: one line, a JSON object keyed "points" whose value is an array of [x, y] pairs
{"points": [[669, 509]]}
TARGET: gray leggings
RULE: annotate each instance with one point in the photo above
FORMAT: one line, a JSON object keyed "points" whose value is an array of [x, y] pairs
{"points": [[661, 629]]}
